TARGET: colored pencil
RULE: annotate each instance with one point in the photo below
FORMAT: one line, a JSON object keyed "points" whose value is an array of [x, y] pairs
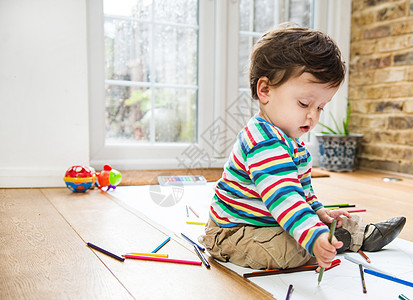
{"points": [[105, 252], [330, 238], [388, 277], [149, 254], [356, 210], [362, 279], [340, 205], [289, 292], [365, 256], [192, 242], [171, 260], [334, 263], [403, 297], [187, 212], [194, 212], [161, 245], [202, 257], [195, 223], [280, 271]]}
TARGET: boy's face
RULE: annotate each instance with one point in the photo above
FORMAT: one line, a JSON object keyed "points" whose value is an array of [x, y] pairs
{"points": [[296, 105]]}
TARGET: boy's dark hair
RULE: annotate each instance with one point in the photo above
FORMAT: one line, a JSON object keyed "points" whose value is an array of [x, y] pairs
{"points": [[288, 52]]}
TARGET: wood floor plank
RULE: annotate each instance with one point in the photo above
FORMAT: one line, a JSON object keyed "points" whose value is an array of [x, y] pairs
{"points": [[100, 220], [41, 257]]}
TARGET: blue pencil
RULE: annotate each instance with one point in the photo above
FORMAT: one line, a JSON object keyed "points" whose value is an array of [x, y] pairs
{"points": [[161, 245], [290, 291], [378, 274], [192, 242], [105, 252]]}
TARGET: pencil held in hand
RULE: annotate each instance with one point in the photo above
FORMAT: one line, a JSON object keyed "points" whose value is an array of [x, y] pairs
{"points": [[330, 238]]}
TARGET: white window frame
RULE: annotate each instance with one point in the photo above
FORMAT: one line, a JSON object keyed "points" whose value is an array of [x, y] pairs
{"points": [[150, 155], [217, 84]]}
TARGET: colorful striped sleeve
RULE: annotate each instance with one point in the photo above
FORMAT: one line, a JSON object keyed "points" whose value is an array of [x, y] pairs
{"points": [[276, 177]]}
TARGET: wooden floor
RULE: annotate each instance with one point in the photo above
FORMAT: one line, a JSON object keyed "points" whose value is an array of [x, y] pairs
{"points": [[43, 236]]}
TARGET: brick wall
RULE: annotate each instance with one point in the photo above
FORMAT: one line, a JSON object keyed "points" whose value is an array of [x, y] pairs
{"points": [[381, 83]]}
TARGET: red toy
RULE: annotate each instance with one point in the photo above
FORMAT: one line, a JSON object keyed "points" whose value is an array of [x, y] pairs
{"points": [[108, 177], [79, 179]]}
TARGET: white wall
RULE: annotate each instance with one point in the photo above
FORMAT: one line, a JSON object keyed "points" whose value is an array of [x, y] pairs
{"points": [[43, 91]]}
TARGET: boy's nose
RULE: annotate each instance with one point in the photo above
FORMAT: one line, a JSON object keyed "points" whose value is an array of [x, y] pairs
{"points": [[310, 114]]}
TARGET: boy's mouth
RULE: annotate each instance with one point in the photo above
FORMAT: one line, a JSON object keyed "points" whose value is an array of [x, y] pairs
{"points": [[305, 128]]}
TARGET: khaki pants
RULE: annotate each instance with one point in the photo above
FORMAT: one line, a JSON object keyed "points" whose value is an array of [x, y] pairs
{"points": [[266, 247]]}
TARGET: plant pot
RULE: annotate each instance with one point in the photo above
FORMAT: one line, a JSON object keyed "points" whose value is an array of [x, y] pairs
{"points": [[338, 152]]}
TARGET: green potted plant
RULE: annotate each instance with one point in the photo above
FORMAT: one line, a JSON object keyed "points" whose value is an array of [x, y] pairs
{"points": [[338, 146]]}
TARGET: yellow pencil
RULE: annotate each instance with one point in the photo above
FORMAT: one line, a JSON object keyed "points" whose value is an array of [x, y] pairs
{"points": [[149, 254], [195, 223]]}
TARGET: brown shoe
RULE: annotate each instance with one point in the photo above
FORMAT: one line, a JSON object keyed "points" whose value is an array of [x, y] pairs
{"points": [[383, 233]]}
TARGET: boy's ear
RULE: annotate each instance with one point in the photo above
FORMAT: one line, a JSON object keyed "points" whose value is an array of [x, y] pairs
{"points": [[263, 89]]}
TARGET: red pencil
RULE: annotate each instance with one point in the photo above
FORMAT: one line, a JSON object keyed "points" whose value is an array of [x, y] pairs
{"points": [[178, 261], [334, 263], [356, 210]]}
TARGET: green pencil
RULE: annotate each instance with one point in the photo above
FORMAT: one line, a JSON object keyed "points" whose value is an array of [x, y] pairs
{"points": [[340, 205], [330, 238]]}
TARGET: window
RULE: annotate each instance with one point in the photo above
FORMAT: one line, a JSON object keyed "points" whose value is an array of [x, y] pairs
{"points": [[168, 86], [150, 77], [151, 74]]}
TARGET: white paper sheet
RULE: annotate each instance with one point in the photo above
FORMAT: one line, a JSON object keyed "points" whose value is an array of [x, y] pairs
{"points": [[166, 206]]}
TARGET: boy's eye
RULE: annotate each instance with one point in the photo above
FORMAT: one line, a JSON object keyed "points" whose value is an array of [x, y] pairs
{"points": [[302, 104], [320, 108]]}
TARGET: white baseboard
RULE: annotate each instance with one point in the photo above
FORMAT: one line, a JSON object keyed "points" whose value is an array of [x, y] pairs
{"points": [[37, 178], [31, 178]]}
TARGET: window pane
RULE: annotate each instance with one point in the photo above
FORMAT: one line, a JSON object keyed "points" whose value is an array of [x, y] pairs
{"points": [[257, 15], [175, 55], [174, 116], [127, 55], [125, 108], [177, 11], [245, 14], [264, 15], [128, 8], [300, 12], [151, 70], [246, 42]]}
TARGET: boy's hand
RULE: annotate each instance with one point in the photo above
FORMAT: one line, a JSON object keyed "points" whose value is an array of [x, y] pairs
{"points": [[324, 251], [328, 215]]}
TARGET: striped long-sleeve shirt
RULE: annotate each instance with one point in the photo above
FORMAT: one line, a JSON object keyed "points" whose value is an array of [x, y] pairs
{"points": [[267, 182]]}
